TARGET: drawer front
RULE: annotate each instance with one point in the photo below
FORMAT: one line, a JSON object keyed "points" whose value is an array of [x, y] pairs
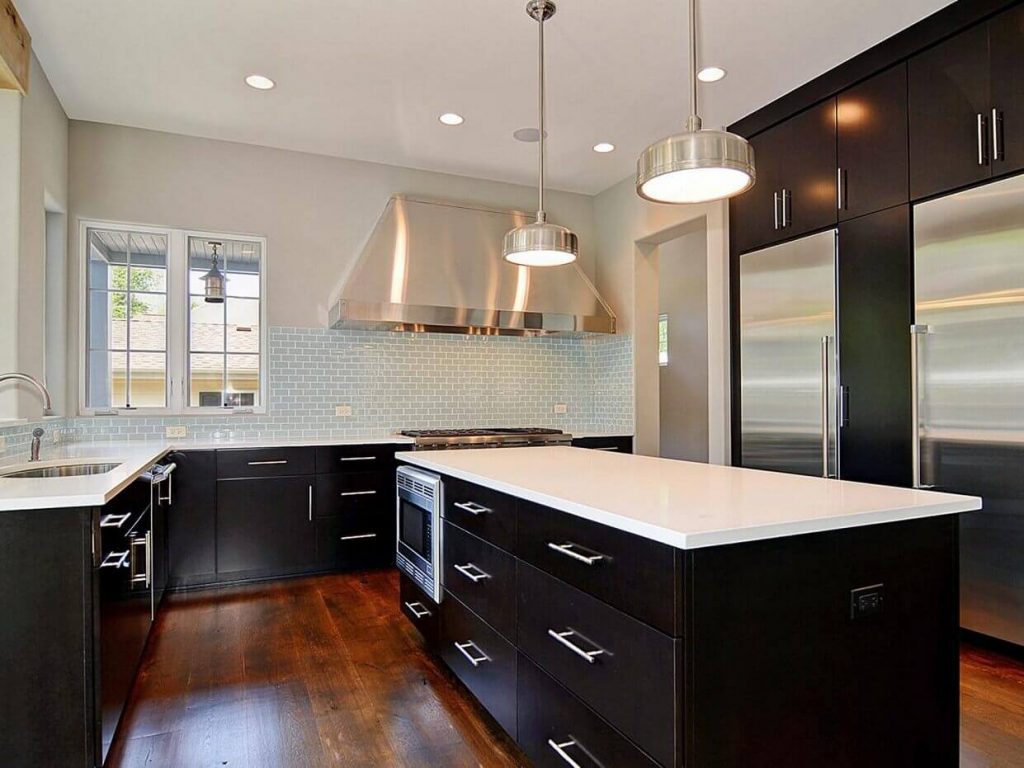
{"points": [[423, 612], [639, 576], [485, 513], [482, 576], [264, 462], [555, 725], [355, 492], [357, 541], [355, 458], [595, 650], [483, 660], [622, 444]]}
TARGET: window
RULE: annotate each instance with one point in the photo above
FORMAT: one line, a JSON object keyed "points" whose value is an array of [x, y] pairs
{"points": [[151, 341], [662, 339]]}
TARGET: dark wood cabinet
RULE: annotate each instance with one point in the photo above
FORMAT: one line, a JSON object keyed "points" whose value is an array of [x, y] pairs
{"points": [[265, 462], [615, 443], [795, 192], [871, 147], [1006, 51], [481, 511], [265, 526], [481, 576], [192, 519], [373, 457], [360, 540], [949, 102], [875, 289], [423, 612]]}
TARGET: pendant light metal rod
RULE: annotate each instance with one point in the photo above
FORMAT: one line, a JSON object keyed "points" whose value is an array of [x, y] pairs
{"points": [[694, 122], [541, 216]]}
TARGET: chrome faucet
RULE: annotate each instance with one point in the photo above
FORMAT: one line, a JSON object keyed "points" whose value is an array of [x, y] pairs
{"points": [[47, 407], [37, 435]]}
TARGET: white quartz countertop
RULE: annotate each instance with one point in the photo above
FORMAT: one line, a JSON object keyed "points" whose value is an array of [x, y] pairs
{"points": [[685, 504], [134, 458]]}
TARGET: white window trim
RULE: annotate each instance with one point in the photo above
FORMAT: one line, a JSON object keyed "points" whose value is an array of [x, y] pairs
{"points": [[177, 321]]}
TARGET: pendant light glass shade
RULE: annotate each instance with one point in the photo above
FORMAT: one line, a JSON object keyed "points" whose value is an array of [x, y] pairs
{"points": [[540, 244], [697, 165], [213, 292]]}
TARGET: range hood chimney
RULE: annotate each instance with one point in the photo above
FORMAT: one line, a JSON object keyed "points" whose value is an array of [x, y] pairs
{"points": [[437, 267]]}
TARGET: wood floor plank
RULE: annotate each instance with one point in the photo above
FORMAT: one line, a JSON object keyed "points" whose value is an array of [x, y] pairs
{"points": [[325, 671]]}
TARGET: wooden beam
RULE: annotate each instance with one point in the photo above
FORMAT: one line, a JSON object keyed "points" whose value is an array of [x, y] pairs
{"points": [[15, 49]]}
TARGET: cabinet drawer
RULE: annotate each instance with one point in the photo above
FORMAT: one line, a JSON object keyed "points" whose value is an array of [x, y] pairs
{"points": [[356, 541], [355, 492], [481, 576], [423, 612], [623, 444], [481, 659], [593, 649], [550, 717], [485, 513], [355, 458], [264, 462], [641, 577]]}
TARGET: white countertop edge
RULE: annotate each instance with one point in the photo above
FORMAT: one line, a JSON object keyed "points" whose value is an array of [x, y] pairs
{"points": [[706, 539]]}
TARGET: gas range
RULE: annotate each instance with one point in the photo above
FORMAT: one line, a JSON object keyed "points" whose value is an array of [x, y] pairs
{"points": [[492, 437]]}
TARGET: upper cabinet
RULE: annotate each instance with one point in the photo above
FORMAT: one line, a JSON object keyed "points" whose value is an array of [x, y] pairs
{"points": [[871, 147], [795, 191], [967, 107]]}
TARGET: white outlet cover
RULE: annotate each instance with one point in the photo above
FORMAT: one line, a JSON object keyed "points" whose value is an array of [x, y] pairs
{"points": [[561, 408], [343, 410], [176, 431]]}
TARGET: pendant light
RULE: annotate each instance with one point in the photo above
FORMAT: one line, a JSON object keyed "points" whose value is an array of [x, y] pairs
{"points": [[540, 244], [698, 165], [214, 280]]}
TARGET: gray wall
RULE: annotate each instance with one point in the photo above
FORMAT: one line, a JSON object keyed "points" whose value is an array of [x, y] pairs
{"points": [[683, 383]]}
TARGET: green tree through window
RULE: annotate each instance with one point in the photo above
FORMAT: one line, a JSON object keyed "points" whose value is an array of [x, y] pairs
{"points": [[139, 281]]}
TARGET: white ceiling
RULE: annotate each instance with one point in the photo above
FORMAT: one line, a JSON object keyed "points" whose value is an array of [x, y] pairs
{"points": [[366, 79]]}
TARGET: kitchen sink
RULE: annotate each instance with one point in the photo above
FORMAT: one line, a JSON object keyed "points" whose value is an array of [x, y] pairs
{"points": [[62, 470]]}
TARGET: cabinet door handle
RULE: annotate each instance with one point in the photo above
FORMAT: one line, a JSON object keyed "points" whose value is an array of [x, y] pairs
{"points": [[114, 521], [358, 458], [560, 751], [476, 661], [563, 638], [472, 572], [472, 507], [358, 493], [418, 610], [982, 154], [566, 549], [311, 503], [787, 208], [116, 559], [775, 208], [840, 202], [357, 536], [997, 135], [265, 463]]}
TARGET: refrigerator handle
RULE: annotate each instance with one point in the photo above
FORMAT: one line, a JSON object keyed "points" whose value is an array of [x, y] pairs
{"points": [[824, 407], [916, 332]]}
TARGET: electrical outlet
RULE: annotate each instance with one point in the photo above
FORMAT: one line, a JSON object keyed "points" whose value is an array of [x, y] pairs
{"points": [[176, 431], [343, 410], [867, 601], [561, 408]]}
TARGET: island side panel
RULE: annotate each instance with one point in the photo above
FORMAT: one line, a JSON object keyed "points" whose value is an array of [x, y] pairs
{"points": [[778, 673]]}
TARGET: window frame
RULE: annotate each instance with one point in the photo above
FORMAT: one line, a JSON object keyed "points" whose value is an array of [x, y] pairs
{"points": [[178, 298]]}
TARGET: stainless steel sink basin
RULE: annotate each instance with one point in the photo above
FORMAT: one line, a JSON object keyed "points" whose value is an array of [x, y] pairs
{"points": [[62, 470]]}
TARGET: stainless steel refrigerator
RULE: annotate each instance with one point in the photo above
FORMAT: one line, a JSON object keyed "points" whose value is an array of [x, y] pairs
{"points": [[789, 357], [968, 378]]}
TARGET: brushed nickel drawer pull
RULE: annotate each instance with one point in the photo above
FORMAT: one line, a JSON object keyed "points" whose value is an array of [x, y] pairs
{"points": [[563, 638], [265, 463], [358, 458], [608, 448], [116, 559], [560, 751], [472, 507], [420, 612], [356, 536], [476, 661], [566, 549], [468, 569], [114, 521], [358, 493]]}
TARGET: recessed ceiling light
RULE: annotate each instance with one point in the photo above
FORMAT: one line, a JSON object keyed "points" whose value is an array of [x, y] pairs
{"points": [[604, 147], [259, 82], [711, 74], [450, 118]]}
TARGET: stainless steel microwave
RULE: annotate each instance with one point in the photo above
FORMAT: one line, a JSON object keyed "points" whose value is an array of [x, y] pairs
{"points": [[419, 499]]}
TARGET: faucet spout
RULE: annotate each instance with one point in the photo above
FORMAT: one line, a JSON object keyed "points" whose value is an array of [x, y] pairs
{"points": [[47, 407]]}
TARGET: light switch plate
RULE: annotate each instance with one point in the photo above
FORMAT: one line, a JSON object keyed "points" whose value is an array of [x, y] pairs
{"points": [[561, 408], [176, 431], [343, 410]]}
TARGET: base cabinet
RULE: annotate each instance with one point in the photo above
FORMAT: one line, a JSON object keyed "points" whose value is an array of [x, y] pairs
{"points": [[423, 612]]}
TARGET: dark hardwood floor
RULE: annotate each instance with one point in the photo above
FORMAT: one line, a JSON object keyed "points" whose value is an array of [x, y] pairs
{"points": [[325, 671]]}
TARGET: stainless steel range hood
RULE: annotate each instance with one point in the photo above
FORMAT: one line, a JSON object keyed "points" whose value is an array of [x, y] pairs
{"points": [[437, 266]]}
